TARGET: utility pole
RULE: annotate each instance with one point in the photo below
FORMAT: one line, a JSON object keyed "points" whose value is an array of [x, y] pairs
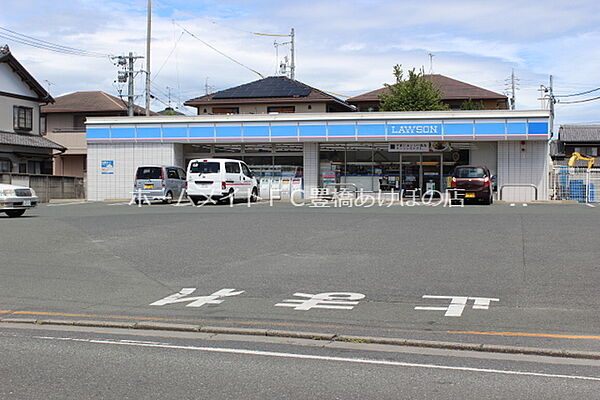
{"points": [[127, 75], [148, 35], [512, 88], [547, 95], [512, 84], [293, 60], [130, 89]]}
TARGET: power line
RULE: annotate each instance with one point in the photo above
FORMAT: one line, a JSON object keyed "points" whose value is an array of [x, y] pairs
{"points": [[218, 51], [169, 56], [577, 94], [579, 101], [45, 45]]}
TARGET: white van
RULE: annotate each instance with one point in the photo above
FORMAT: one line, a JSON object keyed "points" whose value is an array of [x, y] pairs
{"points": [[220, 179]]}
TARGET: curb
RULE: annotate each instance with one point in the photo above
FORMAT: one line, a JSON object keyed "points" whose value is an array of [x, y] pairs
{"points": [[490, 348]]}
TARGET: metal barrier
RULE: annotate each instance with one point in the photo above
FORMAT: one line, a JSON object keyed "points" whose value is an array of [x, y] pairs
{"points": [[531, 185], [574, 183]]}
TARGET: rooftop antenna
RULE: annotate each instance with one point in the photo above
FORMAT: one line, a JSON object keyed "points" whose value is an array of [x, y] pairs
{"points": [[49, 84], [431, 55]]}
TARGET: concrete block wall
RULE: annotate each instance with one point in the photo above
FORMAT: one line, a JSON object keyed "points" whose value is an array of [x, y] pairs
{"points": [[127, 157], [311, 167], [523, 163]]}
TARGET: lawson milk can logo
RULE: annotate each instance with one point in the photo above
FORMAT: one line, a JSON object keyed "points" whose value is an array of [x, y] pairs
{"points": [[420, 129]]}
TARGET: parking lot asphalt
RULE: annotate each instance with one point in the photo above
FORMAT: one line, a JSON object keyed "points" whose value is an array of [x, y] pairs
{"points": [[498, 274]]}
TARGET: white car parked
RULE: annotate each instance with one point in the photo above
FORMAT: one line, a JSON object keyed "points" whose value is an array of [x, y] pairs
{"points": [[14, 200], [220, 179]]}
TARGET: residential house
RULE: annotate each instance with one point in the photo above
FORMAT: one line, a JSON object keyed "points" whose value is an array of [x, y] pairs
{"points": [[23, 149], [583, 139], [65, 124], [454, 94], [275, 94]]}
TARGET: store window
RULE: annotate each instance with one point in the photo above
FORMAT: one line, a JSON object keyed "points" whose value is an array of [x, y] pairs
{"points": [[359, 166]]}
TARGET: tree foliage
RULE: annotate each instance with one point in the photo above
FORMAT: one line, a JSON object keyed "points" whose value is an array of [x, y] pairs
{"points": [[415, 93], [472, 105]]}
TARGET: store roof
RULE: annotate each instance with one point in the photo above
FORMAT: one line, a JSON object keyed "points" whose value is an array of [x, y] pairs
{"points": [[26, 140], [451, 89], [274, 89], [579, 133], [91, 101], [7, 57]]}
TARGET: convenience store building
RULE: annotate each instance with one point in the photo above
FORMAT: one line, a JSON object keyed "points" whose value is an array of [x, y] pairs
{"points": [[376, 151]]}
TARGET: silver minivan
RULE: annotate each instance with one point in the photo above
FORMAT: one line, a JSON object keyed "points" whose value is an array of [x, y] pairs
{"points": [[159, 182]]}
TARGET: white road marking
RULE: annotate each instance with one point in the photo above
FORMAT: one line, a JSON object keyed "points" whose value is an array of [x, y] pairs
{"points": [[321, 358], [458, 304], [524, 204], [65, 204], [118, 204], [197, 301], [512, 204], [590, 205], [332, 300]]}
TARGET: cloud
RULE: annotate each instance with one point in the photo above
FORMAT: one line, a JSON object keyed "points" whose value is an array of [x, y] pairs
{"points": [[346, 47]]}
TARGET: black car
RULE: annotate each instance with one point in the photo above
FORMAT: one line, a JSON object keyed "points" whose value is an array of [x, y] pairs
{"points": [[476, 182]]}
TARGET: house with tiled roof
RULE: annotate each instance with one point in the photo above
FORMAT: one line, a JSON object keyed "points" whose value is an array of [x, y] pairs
{"points": [[275, 94], [583, 139], [454, 94], [65, 124], [23, 149]]}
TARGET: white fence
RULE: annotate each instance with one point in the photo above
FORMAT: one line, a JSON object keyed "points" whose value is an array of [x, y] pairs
{"points": [[579, 184]]}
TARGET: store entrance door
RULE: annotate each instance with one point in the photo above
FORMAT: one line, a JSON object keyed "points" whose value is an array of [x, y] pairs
{"points": [[421, 172]]}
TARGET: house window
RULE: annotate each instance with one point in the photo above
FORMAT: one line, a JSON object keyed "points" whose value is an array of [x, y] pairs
{"points": [[5, 165], [22, 118], [281, 109], [225, 110], [78, 122]]}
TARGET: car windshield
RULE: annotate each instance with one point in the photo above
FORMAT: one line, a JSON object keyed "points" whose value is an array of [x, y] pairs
{"points": [[470, 173], [149, 173], [204, 167]]}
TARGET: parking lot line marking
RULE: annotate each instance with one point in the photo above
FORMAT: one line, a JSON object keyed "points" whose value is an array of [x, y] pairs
{"points": [[118, 204], [320, 358], [66, 204], [590, 205]]}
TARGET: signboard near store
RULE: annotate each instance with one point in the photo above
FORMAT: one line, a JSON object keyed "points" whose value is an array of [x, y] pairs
{"points": [[419, 147], [108, 167]]}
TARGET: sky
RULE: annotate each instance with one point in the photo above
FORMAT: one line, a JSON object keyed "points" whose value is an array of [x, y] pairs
{"points": [[345, 47]]}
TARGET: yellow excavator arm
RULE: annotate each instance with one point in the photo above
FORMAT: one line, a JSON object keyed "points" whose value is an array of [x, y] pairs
{"points": [[576, 156]]}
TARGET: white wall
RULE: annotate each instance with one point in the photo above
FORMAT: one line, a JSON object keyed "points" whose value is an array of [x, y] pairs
{"points": [[311, 167], [127, 157], [525, 163], [11, 83], [485, 153]]}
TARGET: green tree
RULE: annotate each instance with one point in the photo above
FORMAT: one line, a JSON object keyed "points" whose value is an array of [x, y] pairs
{"points": [[416, 93], [472, 105]]}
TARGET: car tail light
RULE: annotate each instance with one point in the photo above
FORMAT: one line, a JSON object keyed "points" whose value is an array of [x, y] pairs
{"points": [[453, 183], [486, 181], [223, 185], [185, 184]]}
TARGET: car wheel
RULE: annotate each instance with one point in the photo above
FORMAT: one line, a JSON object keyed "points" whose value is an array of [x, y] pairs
{"points": [[168, 198], [14, 213], [254, 195]]}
